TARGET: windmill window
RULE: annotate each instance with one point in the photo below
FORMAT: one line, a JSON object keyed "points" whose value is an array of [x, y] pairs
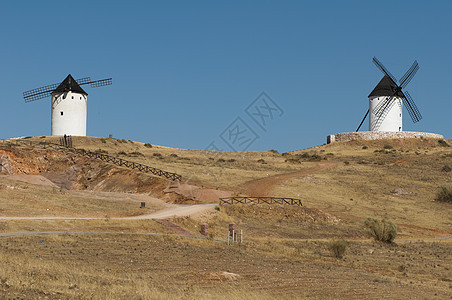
{"points": [[61, 112], [80, 98], [72, 97]]}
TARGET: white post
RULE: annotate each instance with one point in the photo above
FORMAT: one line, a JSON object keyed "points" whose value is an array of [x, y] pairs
{"points": [[241, 236], [228, 238]]}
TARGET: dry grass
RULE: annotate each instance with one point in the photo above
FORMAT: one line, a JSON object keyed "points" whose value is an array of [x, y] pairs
{"points": [[206, 168], [286, 252], [20, 199], [396, 185], [134, 267]]}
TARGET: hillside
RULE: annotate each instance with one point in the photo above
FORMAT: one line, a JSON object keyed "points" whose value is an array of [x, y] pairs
{"points": [[340, 185]]}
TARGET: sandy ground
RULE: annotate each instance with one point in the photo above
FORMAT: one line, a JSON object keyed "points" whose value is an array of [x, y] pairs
{"points": [[196, 193], [33, 179], [170, 210], [260, 187]]}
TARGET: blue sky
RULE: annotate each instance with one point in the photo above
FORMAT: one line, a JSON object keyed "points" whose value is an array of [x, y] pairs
{"points": [[185, 71]]}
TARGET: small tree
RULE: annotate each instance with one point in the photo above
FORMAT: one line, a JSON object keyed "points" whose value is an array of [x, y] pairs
{"points": [[337, 248], [444, 194], [384, 231]]}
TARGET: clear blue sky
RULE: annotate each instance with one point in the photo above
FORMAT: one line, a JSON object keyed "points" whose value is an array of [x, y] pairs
{"points": [[183, 71]]}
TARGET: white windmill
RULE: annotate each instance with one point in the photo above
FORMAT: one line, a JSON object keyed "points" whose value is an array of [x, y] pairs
{"points": [[387, 100], [69, 104]]}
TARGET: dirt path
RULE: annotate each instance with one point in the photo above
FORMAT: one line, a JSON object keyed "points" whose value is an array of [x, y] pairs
{"points": [[261, 187], [175, 211], [171, 210]]}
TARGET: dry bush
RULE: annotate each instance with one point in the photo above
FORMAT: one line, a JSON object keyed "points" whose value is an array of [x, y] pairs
{"points": [[136, 153], [337, 248], [444, 194], [443, 143], [383, 231]]}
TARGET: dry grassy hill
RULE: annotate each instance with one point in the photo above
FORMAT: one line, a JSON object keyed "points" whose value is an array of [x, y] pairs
{"points": [[285, 253]]}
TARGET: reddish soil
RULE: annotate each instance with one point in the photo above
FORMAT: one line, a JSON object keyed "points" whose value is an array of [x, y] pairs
{"points": [[261, 187], [194, 194]]}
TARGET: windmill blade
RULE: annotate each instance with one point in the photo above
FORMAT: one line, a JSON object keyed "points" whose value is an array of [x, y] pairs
{"points": [[409, 75], [383, 69], [413, 105], [83, 80], [39, 93], [412, 108], [98, 83], [360, 124], [46, 91], [102, 82]]}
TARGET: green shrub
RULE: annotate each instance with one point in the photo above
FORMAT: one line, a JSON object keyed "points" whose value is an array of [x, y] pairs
{"points": [[122, 153], [443, 143], [263, 161], [136, 153], [337, 248], [446, 168], [444, 194], [27, 137], [305, 155], [148, 145], [289, 160], [383, 231], [43, 137], [273, 151], [387, 146], [365, 147], [316, 157]]}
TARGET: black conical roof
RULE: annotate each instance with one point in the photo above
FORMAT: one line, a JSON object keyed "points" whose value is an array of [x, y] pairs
{"points": [[69, 85], [386, 87]]}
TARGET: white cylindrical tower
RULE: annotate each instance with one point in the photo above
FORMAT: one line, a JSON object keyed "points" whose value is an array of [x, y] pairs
{"points": [[389, 118], [69, 107], [385, 107]]}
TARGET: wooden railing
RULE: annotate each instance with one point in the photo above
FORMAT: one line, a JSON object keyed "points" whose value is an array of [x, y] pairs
{"points": [[104, 157], [260, 200]]}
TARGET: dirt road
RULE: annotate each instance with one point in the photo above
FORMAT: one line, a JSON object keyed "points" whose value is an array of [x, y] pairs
{"points": [[170, 210], [261, 187]]}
